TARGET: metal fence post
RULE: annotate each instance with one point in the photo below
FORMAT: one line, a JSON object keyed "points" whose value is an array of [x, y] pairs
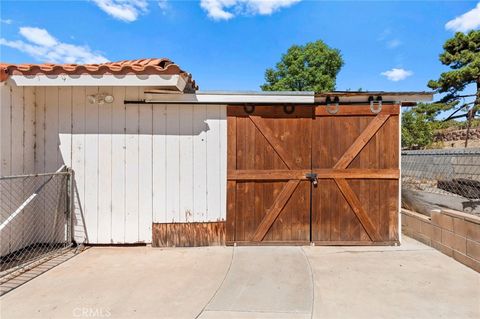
{"points": [[71, 196]]}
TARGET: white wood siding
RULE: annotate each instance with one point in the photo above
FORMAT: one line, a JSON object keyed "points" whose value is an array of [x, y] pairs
{"points": [[133, 164], [17, 156]]}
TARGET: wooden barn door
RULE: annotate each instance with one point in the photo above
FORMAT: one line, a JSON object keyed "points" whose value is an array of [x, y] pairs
{"points": [[355, 153], [307, 175], [269, 153]]}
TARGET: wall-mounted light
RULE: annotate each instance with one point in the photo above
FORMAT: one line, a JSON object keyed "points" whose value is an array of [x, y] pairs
{"points": [[100, 98]]}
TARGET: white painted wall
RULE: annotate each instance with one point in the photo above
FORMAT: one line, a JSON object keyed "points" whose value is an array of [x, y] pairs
{"points": [[17, 143], [134, 164]]}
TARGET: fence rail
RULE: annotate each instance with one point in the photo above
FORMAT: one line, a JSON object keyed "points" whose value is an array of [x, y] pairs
{"points": [[441, 178], [35, 218]]}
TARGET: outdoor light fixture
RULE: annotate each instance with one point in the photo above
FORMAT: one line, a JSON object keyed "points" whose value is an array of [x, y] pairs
{"points": [[100, 98]]}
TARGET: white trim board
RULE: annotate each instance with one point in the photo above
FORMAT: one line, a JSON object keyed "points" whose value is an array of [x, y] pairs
{"points": [[168, 82], [230, 98]]}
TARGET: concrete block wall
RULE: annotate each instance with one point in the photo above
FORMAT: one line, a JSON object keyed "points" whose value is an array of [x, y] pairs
{"points": [[453, 233]]}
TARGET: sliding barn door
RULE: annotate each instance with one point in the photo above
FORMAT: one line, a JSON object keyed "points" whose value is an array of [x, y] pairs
{"points": [[301, 174], [269, 153], [355, 153]]}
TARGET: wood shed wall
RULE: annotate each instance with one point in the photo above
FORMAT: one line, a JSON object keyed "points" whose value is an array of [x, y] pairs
{"points": [[134, 164], [17, 144]]}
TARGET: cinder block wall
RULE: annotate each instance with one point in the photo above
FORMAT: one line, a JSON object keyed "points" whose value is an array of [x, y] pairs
{"points": [[455, 234]]}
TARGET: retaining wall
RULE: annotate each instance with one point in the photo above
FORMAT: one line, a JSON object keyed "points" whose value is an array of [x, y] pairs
{"points": [[453, 233]]}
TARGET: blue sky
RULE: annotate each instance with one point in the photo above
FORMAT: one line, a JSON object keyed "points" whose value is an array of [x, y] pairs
{"points": [[228, 44]]}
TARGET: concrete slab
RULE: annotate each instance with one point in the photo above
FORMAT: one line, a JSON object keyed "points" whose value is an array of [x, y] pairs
{"points": [[123, 282], [411, 281], [408, 244], [268, 280], [252, 315]]}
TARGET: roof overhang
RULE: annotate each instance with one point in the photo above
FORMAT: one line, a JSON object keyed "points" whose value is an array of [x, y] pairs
{"points": [[404, 98], [284, 97], [167, 82], [234, 97]]}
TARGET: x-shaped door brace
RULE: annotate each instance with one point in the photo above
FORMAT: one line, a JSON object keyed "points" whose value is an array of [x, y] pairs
{"points": [[339, 173]]}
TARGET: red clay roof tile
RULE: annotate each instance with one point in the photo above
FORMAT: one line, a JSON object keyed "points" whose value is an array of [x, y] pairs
{"points": [[140, 66]]}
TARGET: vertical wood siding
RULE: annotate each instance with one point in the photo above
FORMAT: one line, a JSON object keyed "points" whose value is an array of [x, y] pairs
{"points": [[134, 165], [17, 156]]}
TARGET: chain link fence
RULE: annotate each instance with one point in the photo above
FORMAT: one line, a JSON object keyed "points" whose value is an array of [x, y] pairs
{"points": [[35, 219], [441, 179]]}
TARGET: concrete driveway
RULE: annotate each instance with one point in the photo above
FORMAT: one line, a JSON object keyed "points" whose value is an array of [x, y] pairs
{"points": [[411, 281]]}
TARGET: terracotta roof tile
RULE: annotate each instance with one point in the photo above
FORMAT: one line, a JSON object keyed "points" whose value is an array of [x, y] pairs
{"points": [[140, 66]]}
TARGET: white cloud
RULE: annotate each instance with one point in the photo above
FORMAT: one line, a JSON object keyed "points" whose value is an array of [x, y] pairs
{"points": [[466, 22], [125, 10], [44, 47], [38, 36], [163, 4], [397, 74], [227, 9], [6, 21], [392, 44]]}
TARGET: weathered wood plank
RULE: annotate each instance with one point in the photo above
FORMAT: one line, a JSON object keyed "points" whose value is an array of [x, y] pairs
{"points": [[91, 167], [199, 159], [188, 234], [213, 154], [231, 185], [105, 171], [16, 226], [272, 111], [275, 210], [361, 141], [65, 125], [172, 166], [185, 144], [131, 167], [159, 160], [277, 145], [353, 173], [357, 110], [357, 208], [222, 158], [29, 130], [145, 179], [78, 159], [118, 165]]}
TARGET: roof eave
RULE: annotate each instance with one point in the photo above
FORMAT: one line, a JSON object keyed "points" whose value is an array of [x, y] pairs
{"points": [[176, 82], [404, 98], [232, 97]]}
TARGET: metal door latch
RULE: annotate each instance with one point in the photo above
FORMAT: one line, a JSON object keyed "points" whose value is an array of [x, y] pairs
{"points": [[312, 177]]}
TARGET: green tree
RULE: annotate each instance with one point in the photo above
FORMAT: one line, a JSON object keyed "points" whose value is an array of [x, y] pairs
{"points": [[417, 131], [462, 54], [310, 67], [431, 110]]}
